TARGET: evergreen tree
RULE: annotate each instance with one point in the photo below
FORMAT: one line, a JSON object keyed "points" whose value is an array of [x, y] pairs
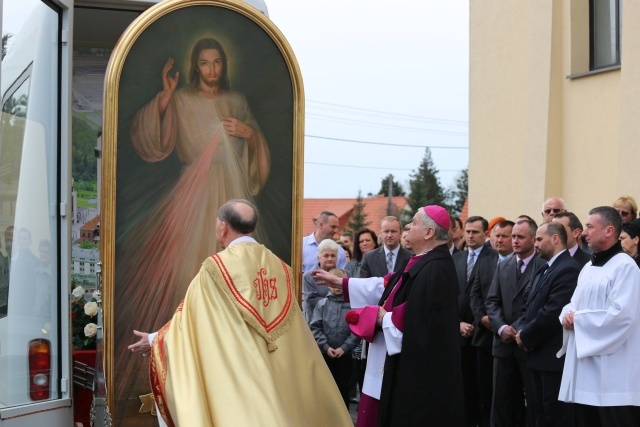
{"points": [[396, 187], [5, 39], [425, 186], [459, 195], [358, 219]]}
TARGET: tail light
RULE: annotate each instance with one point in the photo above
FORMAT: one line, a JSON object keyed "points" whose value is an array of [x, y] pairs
{"points": [[39, 369]]}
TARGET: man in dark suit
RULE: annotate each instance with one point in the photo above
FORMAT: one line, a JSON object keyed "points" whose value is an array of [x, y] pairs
{"points": [[540, 333], [466, 263], [504, 301], [573, 227], [389, 257], [453, 229], [482, 340]]}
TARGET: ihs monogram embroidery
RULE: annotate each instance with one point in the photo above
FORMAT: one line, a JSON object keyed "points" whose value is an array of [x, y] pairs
{"points": [[266, 289]]}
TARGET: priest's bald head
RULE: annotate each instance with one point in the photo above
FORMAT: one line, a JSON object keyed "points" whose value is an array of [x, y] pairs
{"points": [[429, 228], [237, 217]]}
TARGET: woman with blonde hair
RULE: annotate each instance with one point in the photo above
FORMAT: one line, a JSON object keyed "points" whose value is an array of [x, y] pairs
{"points": [[627, 208]]}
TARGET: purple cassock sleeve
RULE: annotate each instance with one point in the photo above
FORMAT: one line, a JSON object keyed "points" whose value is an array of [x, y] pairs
{"points": [[397, 316], [345, 289]]}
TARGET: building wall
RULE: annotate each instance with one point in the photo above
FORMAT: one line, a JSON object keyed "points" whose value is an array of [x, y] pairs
{"points": [[533, 132]]}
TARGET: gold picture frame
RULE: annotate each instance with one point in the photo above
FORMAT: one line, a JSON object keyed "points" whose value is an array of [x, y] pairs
{"points": [[135, 191]]}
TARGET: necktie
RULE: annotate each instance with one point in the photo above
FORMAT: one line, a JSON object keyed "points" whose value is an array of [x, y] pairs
{"points": [[470, 263], [390, 262], [538, 278], [519, 269]]}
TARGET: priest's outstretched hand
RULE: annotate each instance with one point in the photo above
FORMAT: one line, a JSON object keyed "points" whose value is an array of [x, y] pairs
{"points": [[324, 278], [142, 345]]}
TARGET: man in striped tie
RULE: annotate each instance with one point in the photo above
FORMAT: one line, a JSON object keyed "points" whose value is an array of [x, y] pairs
{"points": [[466, 262]]}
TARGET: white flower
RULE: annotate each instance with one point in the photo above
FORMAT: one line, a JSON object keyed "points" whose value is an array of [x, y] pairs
{"points": [[78, 292], [91, 309], [90, 330]]}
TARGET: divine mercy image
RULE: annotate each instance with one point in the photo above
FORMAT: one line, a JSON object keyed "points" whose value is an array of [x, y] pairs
{"points": [[200, 120]]}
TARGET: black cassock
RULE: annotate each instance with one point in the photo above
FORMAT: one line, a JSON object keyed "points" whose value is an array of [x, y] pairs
{"points": [[422, 385]]}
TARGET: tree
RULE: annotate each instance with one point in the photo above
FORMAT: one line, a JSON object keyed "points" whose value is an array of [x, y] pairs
{"points": [[87, 245], [84, 162], [358, 219], [425, 186], [5, 39], [396, 187], [459, 195]]}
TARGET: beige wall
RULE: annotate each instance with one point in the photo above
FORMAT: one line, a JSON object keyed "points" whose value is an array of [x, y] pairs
{"points": [[535, 134]]}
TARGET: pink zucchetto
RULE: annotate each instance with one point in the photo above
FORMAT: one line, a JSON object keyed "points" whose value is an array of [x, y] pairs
{"points": [[439, 215], [362, 321]]}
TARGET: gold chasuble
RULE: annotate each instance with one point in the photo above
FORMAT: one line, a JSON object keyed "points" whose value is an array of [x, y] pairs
{"points": [[238, 351]]}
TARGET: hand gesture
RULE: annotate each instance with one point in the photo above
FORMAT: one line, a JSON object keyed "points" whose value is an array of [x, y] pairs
{"points": [[486, 323], [169, 85], [381, 313], [508, 335], [142, 345], [235, 127], [567, 321], [466, 329], [325, 278], [519, 341]]}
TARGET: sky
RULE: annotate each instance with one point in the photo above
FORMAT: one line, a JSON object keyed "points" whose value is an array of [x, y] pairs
{"points": [[386, 76], [381, 83]]}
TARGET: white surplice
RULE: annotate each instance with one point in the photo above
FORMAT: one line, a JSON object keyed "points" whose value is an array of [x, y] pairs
{"points": [[363, 292], [602, 365]]}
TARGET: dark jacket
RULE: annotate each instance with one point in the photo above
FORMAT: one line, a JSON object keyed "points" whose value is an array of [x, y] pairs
{"points": [[581, 257], [374, 263], [505, 299], [464, 285], [485, 270], [329, 327], [541, 331]]}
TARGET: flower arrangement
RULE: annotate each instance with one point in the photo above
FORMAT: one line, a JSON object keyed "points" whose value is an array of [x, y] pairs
{"points": [[83, 318]]}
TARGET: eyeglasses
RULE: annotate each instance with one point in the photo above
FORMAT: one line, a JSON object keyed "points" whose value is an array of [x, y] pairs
{"points": [[623, 213], [554, 210]]}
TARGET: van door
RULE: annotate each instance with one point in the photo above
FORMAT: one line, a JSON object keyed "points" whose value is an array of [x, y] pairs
{"points": [[34, 337]]}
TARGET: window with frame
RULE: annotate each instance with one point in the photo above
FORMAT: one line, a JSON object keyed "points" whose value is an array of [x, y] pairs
{"points": [[604, 32]]}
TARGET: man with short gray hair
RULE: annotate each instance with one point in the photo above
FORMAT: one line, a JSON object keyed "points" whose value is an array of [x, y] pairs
{"points": [[601, 324], [413, 374]]}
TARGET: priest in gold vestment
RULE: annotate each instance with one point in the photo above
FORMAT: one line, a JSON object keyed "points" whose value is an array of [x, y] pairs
{"points": [[238, 351]]}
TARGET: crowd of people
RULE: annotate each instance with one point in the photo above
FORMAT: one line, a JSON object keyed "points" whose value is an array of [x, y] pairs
{"points": [[544, 317], [516, 324]]}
